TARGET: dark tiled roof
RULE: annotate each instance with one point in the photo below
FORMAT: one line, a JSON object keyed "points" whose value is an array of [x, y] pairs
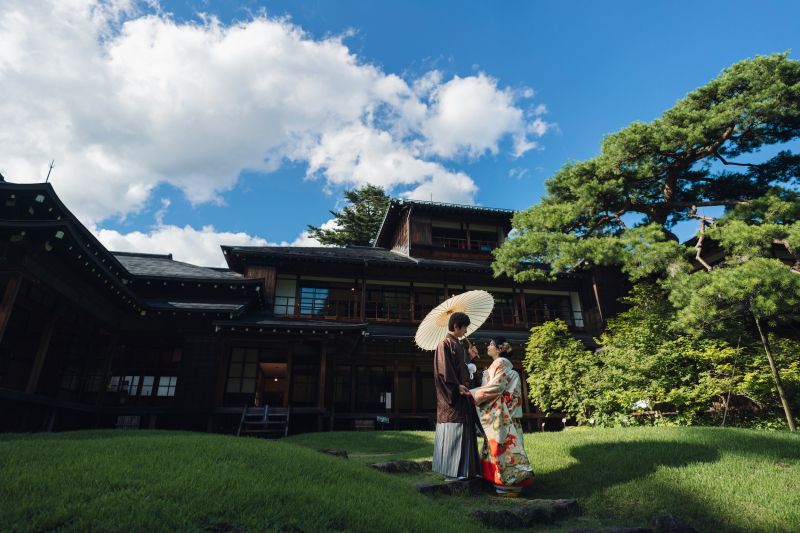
{"points": [[163, 266], [261, 320], [436, 206], [173, 304], [379, 331], [359, 254], [516, 337], [347, 253]]}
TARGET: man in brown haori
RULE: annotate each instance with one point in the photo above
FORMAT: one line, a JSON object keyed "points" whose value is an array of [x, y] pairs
{"points": [[455, 449]]}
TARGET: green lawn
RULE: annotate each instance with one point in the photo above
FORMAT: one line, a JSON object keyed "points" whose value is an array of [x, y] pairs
{"points": [[719, 480]]}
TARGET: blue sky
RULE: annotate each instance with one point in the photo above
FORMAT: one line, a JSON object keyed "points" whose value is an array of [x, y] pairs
{"points": [[595, 67]]}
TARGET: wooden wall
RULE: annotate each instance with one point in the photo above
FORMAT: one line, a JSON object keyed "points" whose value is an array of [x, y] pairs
{"points": [[420, 230], [269, 275], [197, 373], [400, 237], [608, 285]]}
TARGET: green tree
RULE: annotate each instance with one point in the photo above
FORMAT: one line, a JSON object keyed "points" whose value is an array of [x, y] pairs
{"points": [[661, 173], [646, 358], [359, 222], [644, 361], [559, 369], [711, 301]]}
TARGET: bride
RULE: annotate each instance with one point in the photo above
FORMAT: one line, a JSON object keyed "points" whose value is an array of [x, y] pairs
{"points": [[499, 405]]}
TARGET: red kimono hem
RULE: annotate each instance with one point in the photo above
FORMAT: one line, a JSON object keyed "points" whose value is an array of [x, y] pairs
{"points": [[489, 471]]}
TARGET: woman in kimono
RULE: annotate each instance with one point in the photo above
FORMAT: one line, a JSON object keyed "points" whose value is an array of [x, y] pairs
{"points": [[499, 405]]}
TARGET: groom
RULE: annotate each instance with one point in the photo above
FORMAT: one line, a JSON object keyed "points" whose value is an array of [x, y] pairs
{"points": [[455, 449]]}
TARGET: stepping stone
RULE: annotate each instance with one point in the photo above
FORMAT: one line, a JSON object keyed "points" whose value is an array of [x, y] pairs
{"points": [[432, 488], [393, 467], [669, 523], [336, 452], [534, 515], [387, 468], [560, 508], [472, 486], [500, 519], [620, 529], [426, 465]]}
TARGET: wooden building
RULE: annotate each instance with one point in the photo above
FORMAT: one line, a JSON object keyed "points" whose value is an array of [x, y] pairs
{"points": [[88, 335]]}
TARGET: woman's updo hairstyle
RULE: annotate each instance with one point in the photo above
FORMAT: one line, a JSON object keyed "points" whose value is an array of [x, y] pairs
{"points": [[502, 344]]}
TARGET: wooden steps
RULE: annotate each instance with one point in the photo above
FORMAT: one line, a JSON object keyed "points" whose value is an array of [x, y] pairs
{"points": [[256, 421]]}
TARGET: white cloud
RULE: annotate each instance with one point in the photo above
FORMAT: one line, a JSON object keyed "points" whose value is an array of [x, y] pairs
{"points": [[124, 98], [188, 244], [469, 116], [518, 172], [198, 247]]}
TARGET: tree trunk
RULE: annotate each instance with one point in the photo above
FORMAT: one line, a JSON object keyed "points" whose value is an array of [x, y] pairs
{"points": [[777, 377]]}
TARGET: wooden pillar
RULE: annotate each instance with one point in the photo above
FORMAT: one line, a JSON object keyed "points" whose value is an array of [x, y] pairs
{"points": [[364, 294], [41, 353], [396, 394], [222, 373], [524, 308], [7, 304], [469, 243], [526, 404], [414, 388], [323, 359], [288, 374], [353, 386]]}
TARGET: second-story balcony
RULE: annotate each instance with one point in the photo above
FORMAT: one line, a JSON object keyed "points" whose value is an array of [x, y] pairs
{"points": [[412, 313], [463, 244]]}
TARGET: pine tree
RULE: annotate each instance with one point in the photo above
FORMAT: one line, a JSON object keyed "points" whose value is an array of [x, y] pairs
{"points": [[359, 222], [662, 172]]}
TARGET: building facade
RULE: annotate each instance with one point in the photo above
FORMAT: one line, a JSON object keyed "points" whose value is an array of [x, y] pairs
{"points": [[88, 335]]}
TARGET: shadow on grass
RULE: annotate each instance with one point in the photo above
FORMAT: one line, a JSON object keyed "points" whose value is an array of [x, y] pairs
{"points": [[604, 465], [702, 482]]}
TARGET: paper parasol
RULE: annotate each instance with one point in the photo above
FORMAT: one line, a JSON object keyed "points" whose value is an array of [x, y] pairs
{"points": [[476, 304]]}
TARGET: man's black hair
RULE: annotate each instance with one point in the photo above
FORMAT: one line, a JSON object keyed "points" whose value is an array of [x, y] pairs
{"points": [[458, 319]]}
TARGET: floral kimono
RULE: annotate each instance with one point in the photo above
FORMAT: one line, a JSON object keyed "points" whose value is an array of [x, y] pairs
{"points": [[499, 405]]}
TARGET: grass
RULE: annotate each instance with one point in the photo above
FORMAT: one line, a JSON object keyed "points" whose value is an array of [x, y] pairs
{"points": [[719, 480], [173, 481]]}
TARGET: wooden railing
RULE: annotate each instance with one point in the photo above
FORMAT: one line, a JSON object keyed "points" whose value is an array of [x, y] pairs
{"points": [[446, 242], [414, 313], [319, 308]]}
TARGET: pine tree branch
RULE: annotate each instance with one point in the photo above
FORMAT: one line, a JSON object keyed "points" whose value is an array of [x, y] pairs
{"points": [[699, 247], [737, 164]]}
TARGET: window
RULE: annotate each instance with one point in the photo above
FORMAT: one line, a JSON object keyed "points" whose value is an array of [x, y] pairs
{"points": [[130, 384], [147, 385], [94, 372], [396, 302], [113, 385], [166, 385], [313, 300], [304, 385], [542, 308], [372, 382], [243, 371]]}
